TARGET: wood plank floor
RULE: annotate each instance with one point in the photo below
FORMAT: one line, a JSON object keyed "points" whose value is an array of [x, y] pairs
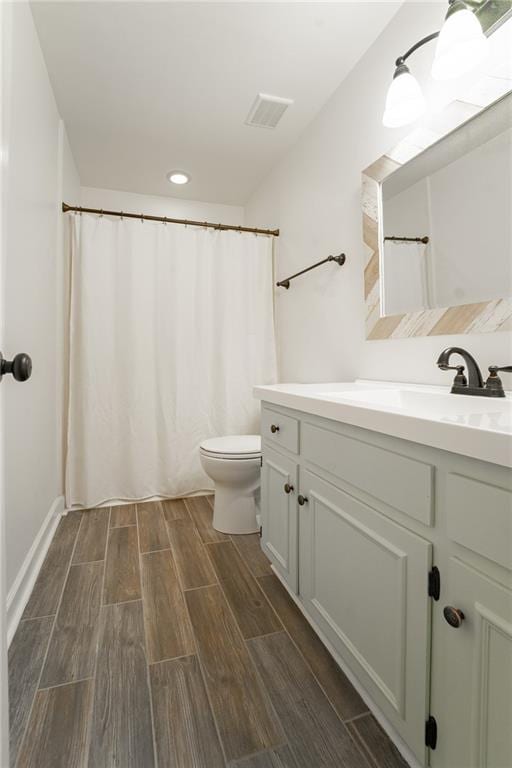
{"points": [[152, 640]]}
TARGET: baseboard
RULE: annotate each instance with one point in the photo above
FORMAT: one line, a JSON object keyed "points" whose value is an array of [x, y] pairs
{"points": [[395, 737], [23, 585]]}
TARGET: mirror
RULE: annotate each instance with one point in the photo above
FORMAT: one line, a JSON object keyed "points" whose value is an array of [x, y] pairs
{"points": [[446, 232]]}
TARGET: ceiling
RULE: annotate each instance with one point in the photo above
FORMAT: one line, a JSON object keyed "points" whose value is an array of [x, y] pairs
{"points": [[148, 87]]}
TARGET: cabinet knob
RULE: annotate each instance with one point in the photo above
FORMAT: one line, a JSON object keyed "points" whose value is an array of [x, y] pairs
{"points": [[453, 616], [274, 428], [288, 488], [302, 499], [20, 366]]}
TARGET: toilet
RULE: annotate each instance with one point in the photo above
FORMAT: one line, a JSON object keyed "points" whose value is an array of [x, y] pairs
{"points": [[234, 464]]}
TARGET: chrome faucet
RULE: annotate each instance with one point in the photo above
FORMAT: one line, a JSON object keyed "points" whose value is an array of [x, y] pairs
{"points": [[473, 384]]}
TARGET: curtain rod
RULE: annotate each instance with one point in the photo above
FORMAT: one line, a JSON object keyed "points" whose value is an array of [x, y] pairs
{"points": [[166, 220]]}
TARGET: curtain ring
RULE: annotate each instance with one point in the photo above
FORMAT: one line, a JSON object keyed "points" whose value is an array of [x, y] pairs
{"points": [[101, 213], [165, 221], [142, 218], [121, 215]]}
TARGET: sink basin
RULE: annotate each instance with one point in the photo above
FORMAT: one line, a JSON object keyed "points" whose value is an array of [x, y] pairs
{"points": [[421, 402]]}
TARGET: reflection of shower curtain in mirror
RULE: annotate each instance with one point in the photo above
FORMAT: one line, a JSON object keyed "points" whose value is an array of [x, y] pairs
{"points": [[406, 277]]}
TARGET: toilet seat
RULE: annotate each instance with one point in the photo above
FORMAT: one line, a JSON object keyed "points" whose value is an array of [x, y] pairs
{"points": [[232, 447]]}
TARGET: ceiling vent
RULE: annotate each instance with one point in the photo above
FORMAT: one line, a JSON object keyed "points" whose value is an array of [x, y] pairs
{"points": [[267, 110]]}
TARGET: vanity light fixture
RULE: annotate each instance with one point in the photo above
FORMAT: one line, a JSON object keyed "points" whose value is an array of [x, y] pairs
{"points": [[461, 46], [178, 177], [405, 101]]}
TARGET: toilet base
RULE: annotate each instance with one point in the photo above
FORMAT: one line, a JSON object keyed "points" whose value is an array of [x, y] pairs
{"points": [[234, 510]]}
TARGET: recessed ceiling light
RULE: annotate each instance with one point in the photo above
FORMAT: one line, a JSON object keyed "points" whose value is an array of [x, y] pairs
{"points": [[178, 177]]}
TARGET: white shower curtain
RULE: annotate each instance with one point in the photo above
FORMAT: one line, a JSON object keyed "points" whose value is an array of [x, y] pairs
{"points": [[406, 285], [171, 327]]}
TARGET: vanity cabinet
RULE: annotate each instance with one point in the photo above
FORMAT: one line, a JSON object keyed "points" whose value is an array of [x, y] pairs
{"points": [[364, 521], [472, 673], [362, 581], [472, 661]]}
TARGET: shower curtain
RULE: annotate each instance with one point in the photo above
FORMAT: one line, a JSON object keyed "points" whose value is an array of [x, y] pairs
{"points": [[170, 328], [407, 281]]}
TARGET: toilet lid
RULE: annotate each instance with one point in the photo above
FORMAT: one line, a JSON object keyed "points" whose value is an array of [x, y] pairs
{"points": [[233, 446]]}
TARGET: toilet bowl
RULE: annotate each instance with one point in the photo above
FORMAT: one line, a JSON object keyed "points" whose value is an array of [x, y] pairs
{"points": [[234, 464]]}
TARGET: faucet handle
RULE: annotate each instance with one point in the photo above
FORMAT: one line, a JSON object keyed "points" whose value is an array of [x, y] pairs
{"points": [[494, 382], [459, 380]]}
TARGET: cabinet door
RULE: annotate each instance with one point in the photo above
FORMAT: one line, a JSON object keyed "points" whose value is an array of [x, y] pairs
{"points": [[363, 580], [472, 672], [279, 514]]}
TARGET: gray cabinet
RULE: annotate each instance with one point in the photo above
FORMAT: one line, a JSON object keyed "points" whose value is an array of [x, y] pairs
{"points": [[472, 663], [472, 672], [362, 580], [356, 557], [279, 513]]}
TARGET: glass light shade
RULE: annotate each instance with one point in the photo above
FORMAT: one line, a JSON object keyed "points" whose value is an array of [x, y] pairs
{"points": [[404, 102], [461, 45]]}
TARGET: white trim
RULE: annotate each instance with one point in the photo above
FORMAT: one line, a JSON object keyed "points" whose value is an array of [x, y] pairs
{"points": [[23, 584], [397, 740]]}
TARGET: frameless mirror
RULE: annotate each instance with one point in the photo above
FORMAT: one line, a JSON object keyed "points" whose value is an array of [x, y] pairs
{"points": [[447, 219]]}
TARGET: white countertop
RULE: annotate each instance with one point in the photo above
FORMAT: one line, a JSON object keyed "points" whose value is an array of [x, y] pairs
{"points": [[480, 427]]}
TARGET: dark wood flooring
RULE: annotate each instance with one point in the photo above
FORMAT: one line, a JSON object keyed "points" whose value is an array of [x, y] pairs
{"points": [[150, 640]]}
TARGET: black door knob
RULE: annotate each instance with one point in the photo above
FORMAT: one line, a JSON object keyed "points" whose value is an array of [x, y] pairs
{"points": [[453, 616], [274, 428], [288, 488], [20, 366], [302, 499]]}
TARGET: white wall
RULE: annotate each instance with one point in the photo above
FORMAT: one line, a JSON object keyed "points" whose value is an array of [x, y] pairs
{"points": [[39, 170], [154, 205], [313, 196]]}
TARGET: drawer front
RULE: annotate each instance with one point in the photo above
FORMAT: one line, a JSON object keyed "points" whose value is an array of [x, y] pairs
{"points": [[480, 518], [280, 429], [396, 480]]}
